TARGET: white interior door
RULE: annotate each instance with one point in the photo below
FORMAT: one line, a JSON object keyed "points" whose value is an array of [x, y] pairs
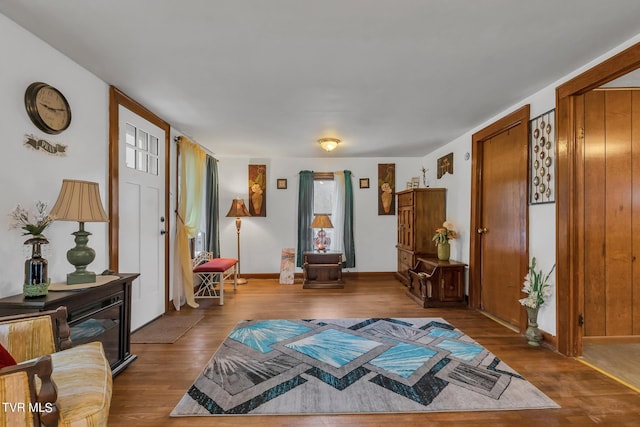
{"points": [[142, 209]]}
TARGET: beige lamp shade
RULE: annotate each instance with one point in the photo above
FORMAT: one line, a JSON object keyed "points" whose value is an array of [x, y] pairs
{"points": [[321, 221], [238, 209], [79, 201]]}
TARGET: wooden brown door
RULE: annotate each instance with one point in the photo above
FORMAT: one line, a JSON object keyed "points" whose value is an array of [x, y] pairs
{"points": [[499, 257], [609, 122]]}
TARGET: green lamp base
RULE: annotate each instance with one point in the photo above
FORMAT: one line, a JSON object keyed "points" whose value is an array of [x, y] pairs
{"points": [[80, 256], [77, 278]]}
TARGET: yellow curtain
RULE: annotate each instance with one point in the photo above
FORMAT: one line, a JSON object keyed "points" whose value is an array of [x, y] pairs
{"points": [[192, 167]]}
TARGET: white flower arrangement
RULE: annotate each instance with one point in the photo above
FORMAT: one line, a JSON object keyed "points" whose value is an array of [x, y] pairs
{"points": [[21, 219], [536, 286]]}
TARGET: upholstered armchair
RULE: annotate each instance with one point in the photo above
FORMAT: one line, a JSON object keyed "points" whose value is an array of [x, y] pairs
{"points": [[53, 383]]}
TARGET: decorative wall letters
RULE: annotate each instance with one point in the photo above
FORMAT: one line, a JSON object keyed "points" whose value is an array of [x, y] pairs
{"points": [[38, 144]]}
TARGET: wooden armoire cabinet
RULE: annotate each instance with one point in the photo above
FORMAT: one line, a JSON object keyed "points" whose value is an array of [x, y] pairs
{"points": [[420, 212]]}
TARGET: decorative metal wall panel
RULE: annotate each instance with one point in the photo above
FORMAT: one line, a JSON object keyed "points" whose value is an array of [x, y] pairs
{"points": [[542, 158]]}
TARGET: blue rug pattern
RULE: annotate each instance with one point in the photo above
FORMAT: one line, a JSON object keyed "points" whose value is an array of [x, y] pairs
{"points": [[325, 366]]}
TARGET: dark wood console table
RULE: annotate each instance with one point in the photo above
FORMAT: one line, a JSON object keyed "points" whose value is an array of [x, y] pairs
{"points": [[322, 270], [436, 283], [101, 313]]}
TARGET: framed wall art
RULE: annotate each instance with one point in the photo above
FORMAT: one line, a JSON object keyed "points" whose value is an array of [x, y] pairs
{"points": [[445, 164], [364, 182], [542, 148], [281, 184], [386, 188], [258, 190]]}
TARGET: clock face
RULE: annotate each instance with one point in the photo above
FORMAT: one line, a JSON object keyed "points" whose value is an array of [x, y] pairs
{"points": [[47, 108]]}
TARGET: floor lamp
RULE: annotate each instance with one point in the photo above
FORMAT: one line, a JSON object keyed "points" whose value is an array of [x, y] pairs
{"points": [[238, 210]]}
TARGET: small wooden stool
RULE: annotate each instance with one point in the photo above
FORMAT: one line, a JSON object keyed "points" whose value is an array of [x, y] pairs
{"points": [[212, 275]]}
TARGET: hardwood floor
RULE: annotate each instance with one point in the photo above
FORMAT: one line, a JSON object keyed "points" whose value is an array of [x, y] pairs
{"points": [[145, 393], [619, 360]]}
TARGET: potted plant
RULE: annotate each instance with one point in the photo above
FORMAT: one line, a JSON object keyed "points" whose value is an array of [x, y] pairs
{"points": [[537, 288], [441, 239]]}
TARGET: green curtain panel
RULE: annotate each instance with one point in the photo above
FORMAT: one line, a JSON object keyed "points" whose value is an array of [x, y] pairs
{"points": [[349, 245], [212, 243], [305, 215]]}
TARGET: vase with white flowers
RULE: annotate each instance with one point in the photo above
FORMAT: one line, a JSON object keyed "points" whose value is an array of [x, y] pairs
{"points": [[537, 288], [441, 239], [36, 278]]}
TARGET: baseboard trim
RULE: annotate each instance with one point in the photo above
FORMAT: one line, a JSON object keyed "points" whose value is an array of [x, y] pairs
{"points": [[345, 274]]}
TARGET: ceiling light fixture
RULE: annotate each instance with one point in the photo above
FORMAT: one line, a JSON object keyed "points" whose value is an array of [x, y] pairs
{"points": [[328, 144]]}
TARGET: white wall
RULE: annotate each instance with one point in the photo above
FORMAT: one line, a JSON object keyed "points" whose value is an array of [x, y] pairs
{"points": [[27, 175], [262, 238]]}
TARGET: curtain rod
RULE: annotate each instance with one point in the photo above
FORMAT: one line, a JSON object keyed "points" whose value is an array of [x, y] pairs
{"points": [[209, 152]]}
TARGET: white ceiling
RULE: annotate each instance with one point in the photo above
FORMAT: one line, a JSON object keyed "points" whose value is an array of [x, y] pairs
{"points": [[267, 78]]}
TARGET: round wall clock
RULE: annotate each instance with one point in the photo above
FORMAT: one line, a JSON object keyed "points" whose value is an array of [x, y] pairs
{"points": [[47, 108]]}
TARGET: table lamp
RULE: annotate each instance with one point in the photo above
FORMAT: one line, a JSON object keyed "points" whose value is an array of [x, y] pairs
{"points": [[80, 201], [238, 210], [321, 241]]}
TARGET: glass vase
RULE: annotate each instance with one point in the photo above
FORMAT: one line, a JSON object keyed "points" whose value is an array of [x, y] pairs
{"points": [[36, 275]]}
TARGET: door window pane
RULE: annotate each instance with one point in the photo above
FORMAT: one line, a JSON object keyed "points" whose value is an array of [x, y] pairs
{"points": [[153, 145], [130, 158], [130, 134], [142, 139], [141, 150], [142, 162]]}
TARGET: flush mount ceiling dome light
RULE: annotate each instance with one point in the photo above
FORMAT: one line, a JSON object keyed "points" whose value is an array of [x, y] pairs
{"points": [[328, 144]]}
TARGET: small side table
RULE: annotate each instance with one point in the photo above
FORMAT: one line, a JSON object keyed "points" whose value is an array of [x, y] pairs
{"points": [[322, 270]]}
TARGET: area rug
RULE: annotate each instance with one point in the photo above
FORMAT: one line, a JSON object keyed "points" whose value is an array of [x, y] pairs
{"points": [[354, 366], [165, 329]]}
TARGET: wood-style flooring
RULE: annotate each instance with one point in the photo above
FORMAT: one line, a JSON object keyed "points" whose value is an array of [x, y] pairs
{"points": [[622, 361], [145, 393]]}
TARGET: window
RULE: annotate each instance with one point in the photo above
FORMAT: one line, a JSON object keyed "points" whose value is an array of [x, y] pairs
{"points": [[324, 193], [141, 150]]}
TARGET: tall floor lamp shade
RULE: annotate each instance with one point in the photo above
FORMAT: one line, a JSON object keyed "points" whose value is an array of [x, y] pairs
{"points": [[80, 201], [238, 210]]}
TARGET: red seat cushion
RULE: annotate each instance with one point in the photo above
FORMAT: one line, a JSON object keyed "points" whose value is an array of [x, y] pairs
{"points": [[216, 265], [5, 358]]}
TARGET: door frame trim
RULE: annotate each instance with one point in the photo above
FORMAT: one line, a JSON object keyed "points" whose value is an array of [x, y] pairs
{"points": [[117, 98], [569, 203], [520, 116]]}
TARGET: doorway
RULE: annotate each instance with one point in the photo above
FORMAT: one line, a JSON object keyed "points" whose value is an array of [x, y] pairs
{"points": [[499, 218], [608, 126], [138, 204], [570, 200]]}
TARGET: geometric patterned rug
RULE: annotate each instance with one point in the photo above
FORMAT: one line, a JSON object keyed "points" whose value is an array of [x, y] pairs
{"points": [[354, 366]]}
